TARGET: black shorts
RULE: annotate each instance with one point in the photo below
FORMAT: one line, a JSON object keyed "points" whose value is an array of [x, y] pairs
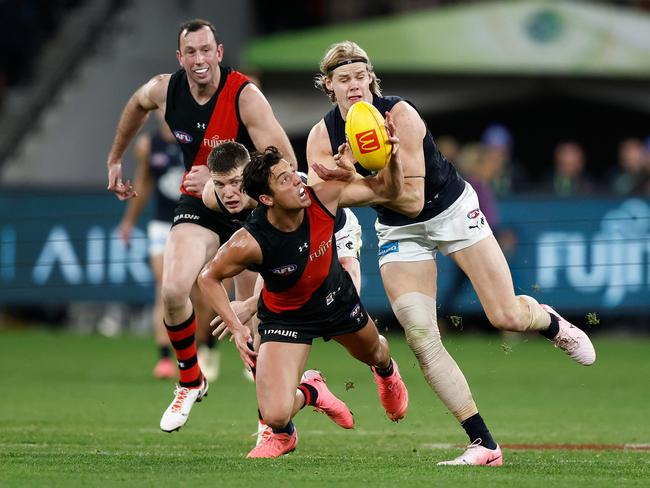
{"points": [[192, 210], [344, 315]]}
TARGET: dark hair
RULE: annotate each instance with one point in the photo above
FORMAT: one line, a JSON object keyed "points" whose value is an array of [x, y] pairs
{"points": [[227, 156], [195, 25], [257, 173]]}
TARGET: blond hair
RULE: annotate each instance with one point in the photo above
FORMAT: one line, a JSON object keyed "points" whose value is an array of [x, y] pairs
{"points": [[338, 54]]}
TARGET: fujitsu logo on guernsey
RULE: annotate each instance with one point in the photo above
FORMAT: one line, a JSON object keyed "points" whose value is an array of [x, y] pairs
{"points": [[215, 140], [321, 250]]}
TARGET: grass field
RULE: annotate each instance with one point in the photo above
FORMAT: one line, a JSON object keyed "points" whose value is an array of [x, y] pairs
{"points": [[84, 411]]}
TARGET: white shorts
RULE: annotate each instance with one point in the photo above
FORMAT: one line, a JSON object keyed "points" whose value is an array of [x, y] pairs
{"points": [[157, 232], [458, 227], [348, 239]]}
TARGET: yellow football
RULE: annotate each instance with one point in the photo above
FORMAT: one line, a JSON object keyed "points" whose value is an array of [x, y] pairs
{"points": [[367, 136]]}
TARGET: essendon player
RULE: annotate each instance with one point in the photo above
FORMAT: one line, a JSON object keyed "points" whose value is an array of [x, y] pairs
{"points": [[289, 239], [204, 104]]}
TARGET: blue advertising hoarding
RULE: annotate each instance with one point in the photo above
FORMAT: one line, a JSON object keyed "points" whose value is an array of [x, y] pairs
{"points": [[57, 247], [579, 255]]}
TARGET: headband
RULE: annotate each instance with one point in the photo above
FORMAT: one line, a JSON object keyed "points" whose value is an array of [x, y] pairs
{"points": [[347, 61]]}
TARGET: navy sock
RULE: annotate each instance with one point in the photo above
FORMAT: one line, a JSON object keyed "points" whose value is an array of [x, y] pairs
{"points": [[553, 329], [286, 430], [386, 372], [165, 351], [477, 431]]}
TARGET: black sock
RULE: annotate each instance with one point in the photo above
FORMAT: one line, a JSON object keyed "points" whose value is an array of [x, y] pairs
{"points": [[386, 372], [165, 351], [288, 429], [211, 341], [259, 416], [310, 393], [478, 432], [553, 329]]}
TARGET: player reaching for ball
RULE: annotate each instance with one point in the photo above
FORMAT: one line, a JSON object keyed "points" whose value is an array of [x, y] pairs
{"points": [[289, 240], [437, 210]]}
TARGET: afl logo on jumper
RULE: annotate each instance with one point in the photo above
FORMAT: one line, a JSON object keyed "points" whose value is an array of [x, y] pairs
{"points": [[367, 141], [285, 270], [355, 311], [473, 214], [183, 137]]}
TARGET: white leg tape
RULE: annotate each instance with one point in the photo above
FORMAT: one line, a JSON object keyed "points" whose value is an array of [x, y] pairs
{"points": [[539, 318], [417, 314]]}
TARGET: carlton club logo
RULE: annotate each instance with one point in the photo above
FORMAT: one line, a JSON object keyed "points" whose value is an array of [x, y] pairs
{"points": [[368, 141]]}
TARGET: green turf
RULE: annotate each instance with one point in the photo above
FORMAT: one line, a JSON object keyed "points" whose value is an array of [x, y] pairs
{"points": [[84, 411]]}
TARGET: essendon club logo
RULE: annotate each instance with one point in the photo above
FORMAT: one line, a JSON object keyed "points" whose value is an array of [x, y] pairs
{"points": [[367, 141]]}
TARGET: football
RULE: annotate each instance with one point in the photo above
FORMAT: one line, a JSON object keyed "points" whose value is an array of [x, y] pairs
{"points": [[367, 136]]}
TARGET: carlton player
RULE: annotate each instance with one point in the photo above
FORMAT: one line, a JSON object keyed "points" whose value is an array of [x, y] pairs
{"points": [[437, 210], [204, 104], [289, 240]]}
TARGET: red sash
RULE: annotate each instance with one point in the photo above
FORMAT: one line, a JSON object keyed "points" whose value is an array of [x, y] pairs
{"points": [[319, 261], [223, 125]]}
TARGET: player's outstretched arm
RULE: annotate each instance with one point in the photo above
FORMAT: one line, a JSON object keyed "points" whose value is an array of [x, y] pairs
{"points": [[244, 309], [319, 152], [237, 254], [382, 188], [148, 97]]}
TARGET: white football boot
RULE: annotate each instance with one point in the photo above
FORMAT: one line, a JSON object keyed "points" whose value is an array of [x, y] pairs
{"points": [[178, 411]]}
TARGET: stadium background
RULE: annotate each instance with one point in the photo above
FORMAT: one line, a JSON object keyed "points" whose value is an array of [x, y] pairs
{"points": [[509, 80], [514, 78]]}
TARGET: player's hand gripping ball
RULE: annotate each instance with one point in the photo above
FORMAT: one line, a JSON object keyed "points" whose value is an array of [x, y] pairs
{"points": [[367, 136]]}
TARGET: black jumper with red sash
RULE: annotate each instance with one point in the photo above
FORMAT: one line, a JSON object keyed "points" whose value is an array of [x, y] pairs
{"points": [[200, 128], [307, 293]]}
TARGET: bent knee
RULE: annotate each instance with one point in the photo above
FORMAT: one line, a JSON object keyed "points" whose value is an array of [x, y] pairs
{"points": [[174, 295]]}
